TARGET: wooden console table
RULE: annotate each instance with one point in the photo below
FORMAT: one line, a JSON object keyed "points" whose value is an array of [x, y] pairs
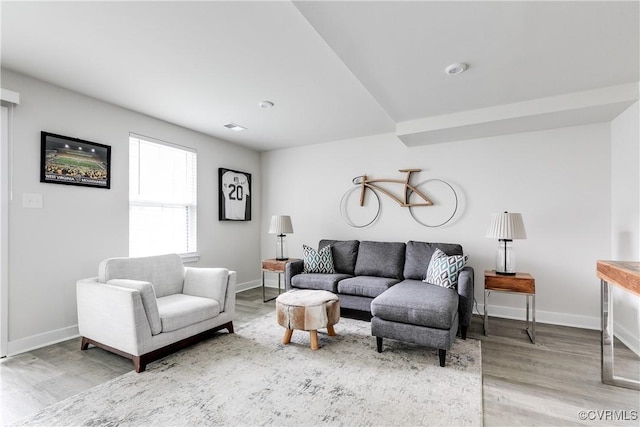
{"points": [[625, 275]]}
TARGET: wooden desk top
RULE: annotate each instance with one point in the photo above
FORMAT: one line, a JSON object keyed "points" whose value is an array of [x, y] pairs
{"points": [[624, 274]]}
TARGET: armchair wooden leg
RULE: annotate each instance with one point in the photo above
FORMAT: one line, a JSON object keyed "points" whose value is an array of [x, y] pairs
{"points": [[85, 344], [442, 355], [229, 327], [138, 364]]}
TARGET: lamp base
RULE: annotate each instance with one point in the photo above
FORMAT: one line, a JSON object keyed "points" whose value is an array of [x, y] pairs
{"points": [[505, 273], [281, 248]]}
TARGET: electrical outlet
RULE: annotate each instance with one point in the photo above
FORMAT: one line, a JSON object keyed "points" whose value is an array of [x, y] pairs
{"points": [[32, 201]]}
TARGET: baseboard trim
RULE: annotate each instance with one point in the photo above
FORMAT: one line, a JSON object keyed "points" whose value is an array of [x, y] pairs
{"points": [[586, 322], [563, 319], [627, 338], [257, 283], [248, 285], [42, 340]]}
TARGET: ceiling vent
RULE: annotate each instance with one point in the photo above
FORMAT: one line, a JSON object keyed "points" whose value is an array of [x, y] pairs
{"points": [[234, 127]]}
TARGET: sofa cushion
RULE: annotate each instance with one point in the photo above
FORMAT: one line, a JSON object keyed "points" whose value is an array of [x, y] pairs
{"points": [[165, 272], [381, 259], [148, 297], [418, 255], [320, 261], [178, 311], [345, 253], [206, 283], [417, 303], [443, 270], [366, 286], [325, 282]]}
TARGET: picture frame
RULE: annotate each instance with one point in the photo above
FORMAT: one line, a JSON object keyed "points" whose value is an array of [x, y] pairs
{"points": [[73, 161], [234, 194]]}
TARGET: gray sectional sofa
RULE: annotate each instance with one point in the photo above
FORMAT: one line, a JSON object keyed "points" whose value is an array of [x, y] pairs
{"points": [[386, 279]]}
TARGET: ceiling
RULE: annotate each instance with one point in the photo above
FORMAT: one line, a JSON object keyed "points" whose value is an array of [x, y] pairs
{"points": [[334, 70]]}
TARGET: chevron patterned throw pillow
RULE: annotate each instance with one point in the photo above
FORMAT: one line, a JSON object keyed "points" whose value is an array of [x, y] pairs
{"points": [[443, 269], [317, 261]]}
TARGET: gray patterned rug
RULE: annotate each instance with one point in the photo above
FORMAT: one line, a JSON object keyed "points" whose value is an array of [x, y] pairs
{"points": [[250, 378]]}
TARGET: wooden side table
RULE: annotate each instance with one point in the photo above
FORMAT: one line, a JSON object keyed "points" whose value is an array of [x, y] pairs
{"points": [[521, 283], [273, 265]]}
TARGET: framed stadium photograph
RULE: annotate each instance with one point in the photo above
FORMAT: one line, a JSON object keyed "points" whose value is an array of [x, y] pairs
{"points": [[72, 161], [234, 193]]}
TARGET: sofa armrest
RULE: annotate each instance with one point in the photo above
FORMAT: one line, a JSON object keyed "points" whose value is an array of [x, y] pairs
{"points": [[229, 306], [291, 269], [112, 315], [149, 302], [465, 290]]}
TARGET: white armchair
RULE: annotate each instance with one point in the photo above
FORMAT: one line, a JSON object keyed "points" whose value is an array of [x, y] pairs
{"points": [[145, 308]]}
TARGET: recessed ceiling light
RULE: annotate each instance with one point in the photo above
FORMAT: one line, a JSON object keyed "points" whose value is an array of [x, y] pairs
{"points": [[234, 127], [266, 104], [454, 69]]}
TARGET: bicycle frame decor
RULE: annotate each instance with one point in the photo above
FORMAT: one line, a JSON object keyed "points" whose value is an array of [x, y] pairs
{"points": [[443, 200]]}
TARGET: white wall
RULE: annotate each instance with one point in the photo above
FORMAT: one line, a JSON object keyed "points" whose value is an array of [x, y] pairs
{"points": [[559, 180], [625, 218], [50, 248]]}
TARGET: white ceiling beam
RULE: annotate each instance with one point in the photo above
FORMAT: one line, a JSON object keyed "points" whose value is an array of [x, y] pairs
{"points": [[571, 109]]}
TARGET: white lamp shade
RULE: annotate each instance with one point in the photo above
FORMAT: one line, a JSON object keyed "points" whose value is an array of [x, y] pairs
{"points": [[280, 224], [506, 226]]}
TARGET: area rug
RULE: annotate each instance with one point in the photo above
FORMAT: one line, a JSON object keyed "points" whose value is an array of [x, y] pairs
{"points": [[250, 378]]}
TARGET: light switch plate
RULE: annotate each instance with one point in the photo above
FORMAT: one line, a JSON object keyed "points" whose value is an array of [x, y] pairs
{"points": [[32, 201]]}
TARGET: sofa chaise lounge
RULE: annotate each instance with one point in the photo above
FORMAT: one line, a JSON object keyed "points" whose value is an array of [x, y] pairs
{"points": [[387, 279]]}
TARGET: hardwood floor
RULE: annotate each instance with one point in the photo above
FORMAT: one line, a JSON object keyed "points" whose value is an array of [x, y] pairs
{"points": [[548, 383]]}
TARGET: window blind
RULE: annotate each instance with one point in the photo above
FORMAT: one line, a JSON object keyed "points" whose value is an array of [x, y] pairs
{"points": [[162, 197]]}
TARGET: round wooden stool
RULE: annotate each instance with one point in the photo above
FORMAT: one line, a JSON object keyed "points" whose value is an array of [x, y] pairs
{"points": [[307, 310]]}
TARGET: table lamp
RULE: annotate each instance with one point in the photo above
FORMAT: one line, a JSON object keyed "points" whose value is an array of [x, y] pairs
{"points": [[505, 227], [281, 225]]}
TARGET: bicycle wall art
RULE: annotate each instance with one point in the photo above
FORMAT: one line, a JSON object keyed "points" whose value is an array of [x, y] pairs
{"points": [[431, 203]]}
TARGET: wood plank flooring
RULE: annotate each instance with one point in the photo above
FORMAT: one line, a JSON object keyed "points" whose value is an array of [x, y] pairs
{"points": [[523, 384]]}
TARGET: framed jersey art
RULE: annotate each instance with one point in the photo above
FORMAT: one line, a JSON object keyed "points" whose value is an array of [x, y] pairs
{"points": [[234, 195]]}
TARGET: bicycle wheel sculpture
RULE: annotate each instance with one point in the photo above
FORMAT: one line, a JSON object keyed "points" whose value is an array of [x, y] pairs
{"points": [[445, 203], [359, 216]]}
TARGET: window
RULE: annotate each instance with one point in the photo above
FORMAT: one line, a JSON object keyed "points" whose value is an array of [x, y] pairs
{"points": [[162, 197]]}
